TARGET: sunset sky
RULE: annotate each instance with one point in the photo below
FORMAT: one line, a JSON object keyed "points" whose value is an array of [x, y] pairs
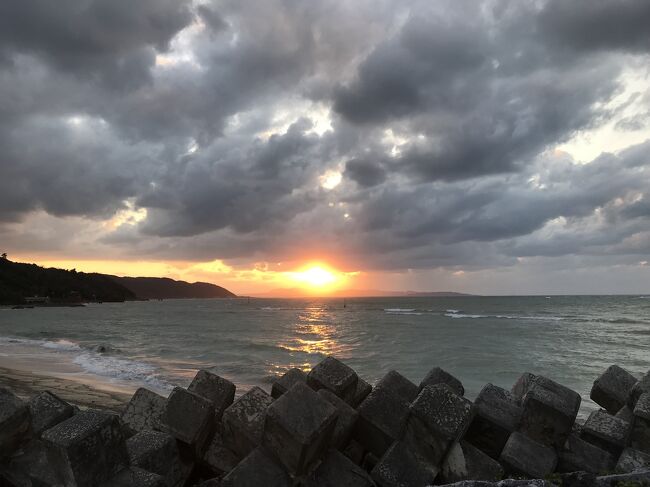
{"points": [[494, 147]]}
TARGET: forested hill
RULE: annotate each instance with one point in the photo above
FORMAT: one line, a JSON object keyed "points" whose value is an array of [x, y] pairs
{"points": [[19, 281], [165, 288]]}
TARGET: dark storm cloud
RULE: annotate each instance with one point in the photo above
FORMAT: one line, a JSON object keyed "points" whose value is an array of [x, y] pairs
{"points": [[597, 24], [444, 120]]}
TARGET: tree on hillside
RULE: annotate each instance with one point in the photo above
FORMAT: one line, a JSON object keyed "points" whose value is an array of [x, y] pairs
{"points": [[4, 255]]}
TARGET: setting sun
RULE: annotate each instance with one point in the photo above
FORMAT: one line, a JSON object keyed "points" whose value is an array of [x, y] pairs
{"points": [[315, 276]]}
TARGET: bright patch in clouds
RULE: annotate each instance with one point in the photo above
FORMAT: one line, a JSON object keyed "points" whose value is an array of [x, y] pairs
{"points": [[331, 179]]}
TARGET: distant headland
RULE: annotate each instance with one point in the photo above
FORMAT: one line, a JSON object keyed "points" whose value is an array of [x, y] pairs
{"points": [[31, 285]]}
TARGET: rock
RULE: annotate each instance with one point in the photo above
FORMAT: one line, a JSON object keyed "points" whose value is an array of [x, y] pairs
{"points": [[625, 413], [497, 416], [14, 421], [334, 375], [256, 470], [243, 421], [287, 381], [158, 453], [437, 418], [580, 455], [635, 479], [466, 462], [87, 449], [401, 467], [439, 376], [218, 457], [215, 482], [33, 461], [298, 427], [549, 411], [220, 391], [346, 419], [336, 470], [46, 410], [400, 385], [606, 432], [135, 477], [369, 461], [640, 434], [189, 418], [144, 412], [612, 388], [632, 460], [363, 389], [382, 416], [525, 456], [639, 388]]}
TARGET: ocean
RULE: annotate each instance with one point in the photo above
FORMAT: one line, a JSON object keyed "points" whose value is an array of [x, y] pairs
{"points": [[160, 344]]}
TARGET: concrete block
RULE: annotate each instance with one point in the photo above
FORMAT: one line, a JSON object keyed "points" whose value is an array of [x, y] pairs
{"points": [[15, 421], [497, 416], [33, 463], [243, 421], [158, 453], [189, 418], [336, 470], [87, 449], [625, 413], [634, 479], [437, 418], [466, 462], [369, 461], [400, 385], [46, 410], [440, 376], [521, 386], [640, 431], [606, 432], [144, 411], [220, 391], [363, 389], [354, 451], [218, 457], [334, 375], [135, 477], [632, 460], [257, 469], [612, 388], [641, 387], [401, 467], [525, 456], [346, 419], [287, 381], [549, 411], [382, 416], [580, 455], [298, 428]]}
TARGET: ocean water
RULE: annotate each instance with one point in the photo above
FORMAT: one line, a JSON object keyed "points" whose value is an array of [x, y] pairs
{"points": [[159, 344]]}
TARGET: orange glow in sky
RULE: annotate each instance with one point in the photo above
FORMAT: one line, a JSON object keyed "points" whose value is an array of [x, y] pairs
{"points": [[315, 276]]}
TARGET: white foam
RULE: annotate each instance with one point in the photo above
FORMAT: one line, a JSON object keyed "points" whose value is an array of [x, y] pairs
{"points": [[399, 310], [121, 369], [458, 315], [65, 345], [452, 310]]}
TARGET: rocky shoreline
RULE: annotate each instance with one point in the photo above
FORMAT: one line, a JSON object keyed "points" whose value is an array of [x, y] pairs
{"points": [[329, 427]]}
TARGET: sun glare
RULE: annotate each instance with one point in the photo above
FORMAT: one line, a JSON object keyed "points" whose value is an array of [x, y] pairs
{"points": [[315, 276]]}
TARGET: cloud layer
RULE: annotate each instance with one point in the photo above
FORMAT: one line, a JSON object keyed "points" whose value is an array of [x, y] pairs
{"points": [[453, 125]]}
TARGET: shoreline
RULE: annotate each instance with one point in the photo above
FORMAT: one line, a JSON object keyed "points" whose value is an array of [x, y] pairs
{"points": [[27, 384]]}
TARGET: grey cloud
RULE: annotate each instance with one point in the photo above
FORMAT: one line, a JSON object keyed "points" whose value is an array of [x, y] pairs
{"points": [[472, 95]]}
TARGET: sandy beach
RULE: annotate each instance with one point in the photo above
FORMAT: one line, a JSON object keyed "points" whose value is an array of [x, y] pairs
{"points": [[26, 384]]}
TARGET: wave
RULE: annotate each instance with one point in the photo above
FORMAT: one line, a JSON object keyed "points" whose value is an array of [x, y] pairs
{"points": [[454, 311], [399, 310], [97, 360], [505, 317]]}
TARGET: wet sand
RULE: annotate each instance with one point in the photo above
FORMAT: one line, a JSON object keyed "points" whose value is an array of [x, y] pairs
{"points": [[27, 384]]}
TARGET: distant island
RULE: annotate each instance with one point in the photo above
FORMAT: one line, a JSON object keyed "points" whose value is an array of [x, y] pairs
{"points": [[30, 284]]}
